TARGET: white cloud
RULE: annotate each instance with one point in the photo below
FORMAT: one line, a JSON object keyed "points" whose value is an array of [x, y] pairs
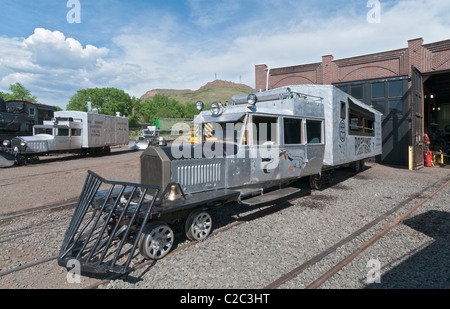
{"points": [[53, 49], [54, 67]]}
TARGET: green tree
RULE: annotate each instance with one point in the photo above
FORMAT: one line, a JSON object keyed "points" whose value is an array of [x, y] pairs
{"points": [[19, 92], [107, 101], [190, 111], [79, 102], [160, 106]]}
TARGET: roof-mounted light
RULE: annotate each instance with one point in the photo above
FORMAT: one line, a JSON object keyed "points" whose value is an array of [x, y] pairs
{"points": [[200, 106], [252, 99], [216, 108]]}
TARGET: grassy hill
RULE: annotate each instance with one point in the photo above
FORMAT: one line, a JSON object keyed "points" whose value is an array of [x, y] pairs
{"points": [[217, 90]]}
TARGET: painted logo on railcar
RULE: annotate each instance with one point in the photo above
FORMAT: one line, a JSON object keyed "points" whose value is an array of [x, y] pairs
{"points": [[363, 145]]}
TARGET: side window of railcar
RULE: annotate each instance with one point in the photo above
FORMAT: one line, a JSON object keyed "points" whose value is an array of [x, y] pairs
{"points": [[76, 132], [314, 132], [265, 130], [292, 131], [361, 121], [63, 132]]}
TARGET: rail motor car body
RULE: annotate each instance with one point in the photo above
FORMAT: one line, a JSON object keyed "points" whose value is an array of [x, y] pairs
{"points": [[261, 141], [68, 132], [283, 135]]}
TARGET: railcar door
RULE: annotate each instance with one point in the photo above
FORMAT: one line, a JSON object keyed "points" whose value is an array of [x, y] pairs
{"points": [[315, 146], [264, 148], [293, 156], [75, 138], [61, 139]]}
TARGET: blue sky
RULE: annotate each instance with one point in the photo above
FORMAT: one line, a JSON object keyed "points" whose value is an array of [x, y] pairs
{"points": [[143, 45]]}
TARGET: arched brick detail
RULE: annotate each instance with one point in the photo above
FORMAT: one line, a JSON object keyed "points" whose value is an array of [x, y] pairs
{"points": [[291, 80], [368, 72]]}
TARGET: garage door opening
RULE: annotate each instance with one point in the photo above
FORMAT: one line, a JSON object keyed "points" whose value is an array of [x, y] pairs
{"points": [[437, 112]]}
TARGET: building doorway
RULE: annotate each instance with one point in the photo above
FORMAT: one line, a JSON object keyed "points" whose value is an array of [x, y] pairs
{"points": [[437, 111]]}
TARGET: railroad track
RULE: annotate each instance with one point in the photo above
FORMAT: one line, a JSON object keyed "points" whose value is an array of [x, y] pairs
{"points": [[19, 179], [34, 210], [317, 283], [245, 219]]}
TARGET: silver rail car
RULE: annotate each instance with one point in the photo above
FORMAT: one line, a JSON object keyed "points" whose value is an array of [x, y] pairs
{"points": [[67, 132], [260, 142]]}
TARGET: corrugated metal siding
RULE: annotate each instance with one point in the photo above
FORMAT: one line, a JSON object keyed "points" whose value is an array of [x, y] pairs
{"points": [[199, 174]]}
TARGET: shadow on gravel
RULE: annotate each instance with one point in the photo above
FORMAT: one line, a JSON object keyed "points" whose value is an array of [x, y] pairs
{"points": [[429, 268]]}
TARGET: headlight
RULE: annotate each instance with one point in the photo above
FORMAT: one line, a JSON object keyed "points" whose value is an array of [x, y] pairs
{"points": [[252, 99], [23, 144], [6, 143], [216, 108], [200, 106]]}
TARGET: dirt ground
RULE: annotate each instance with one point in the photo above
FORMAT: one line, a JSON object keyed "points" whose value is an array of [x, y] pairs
{"points": [[61, 178]]}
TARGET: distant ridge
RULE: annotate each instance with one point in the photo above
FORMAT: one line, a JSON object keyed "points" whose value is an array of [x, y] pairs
{"points": [[218, 90]]}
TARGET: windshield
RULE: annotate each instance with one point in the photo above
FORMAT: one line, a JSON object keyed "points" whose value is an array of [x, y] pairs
{"points": [[224, 131]]}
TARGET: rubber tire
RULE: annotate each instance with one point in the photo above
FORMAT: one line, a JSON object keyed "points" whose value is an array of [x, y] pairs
{"points": [[193, 231], [151, 239]]}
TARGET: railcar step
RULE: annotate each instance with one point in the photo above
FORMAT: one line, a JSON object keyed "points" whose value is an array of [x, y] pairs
{"points": [[271, 196]]}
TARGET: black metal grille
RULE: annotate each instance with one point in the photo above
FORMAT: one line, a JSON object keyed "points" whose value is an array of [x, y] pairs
{"points": [[106, 226]]}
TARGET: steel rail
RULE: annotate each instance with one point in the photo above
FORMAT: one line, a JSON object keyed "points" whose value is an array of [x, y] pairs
{"points": [[28, 265], [15, 180], [34, 210], [298, 270], [317, 283]]}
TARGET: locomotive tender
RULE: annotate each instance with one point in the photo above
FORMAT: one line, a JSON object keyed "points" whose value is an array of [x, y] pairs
{"points": [[261, 141]]}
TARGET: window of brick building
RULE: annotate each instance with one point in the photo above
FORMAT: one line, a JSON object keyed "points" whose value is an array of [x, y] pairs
{"points": [[387, 95]]}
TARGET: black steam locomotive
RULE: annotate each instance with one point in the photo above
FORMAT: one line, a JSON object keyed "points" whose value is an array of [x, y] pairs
{"points": [[17, 117]]}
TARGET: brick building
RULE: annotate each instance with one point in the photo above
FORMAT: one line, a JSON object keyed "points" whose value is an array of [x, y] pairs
{"points": [[410, 86]]}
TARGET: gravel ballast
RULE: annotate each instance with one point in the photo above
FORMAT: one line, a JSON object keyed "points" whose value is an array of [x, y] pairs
{"points": [[255, 253]]}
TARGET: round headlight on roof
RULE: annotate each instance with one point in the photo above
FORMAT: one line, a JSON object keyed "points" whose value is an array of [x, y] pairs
{"points": [[200, 106], [252, 99], [216, 108]]}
